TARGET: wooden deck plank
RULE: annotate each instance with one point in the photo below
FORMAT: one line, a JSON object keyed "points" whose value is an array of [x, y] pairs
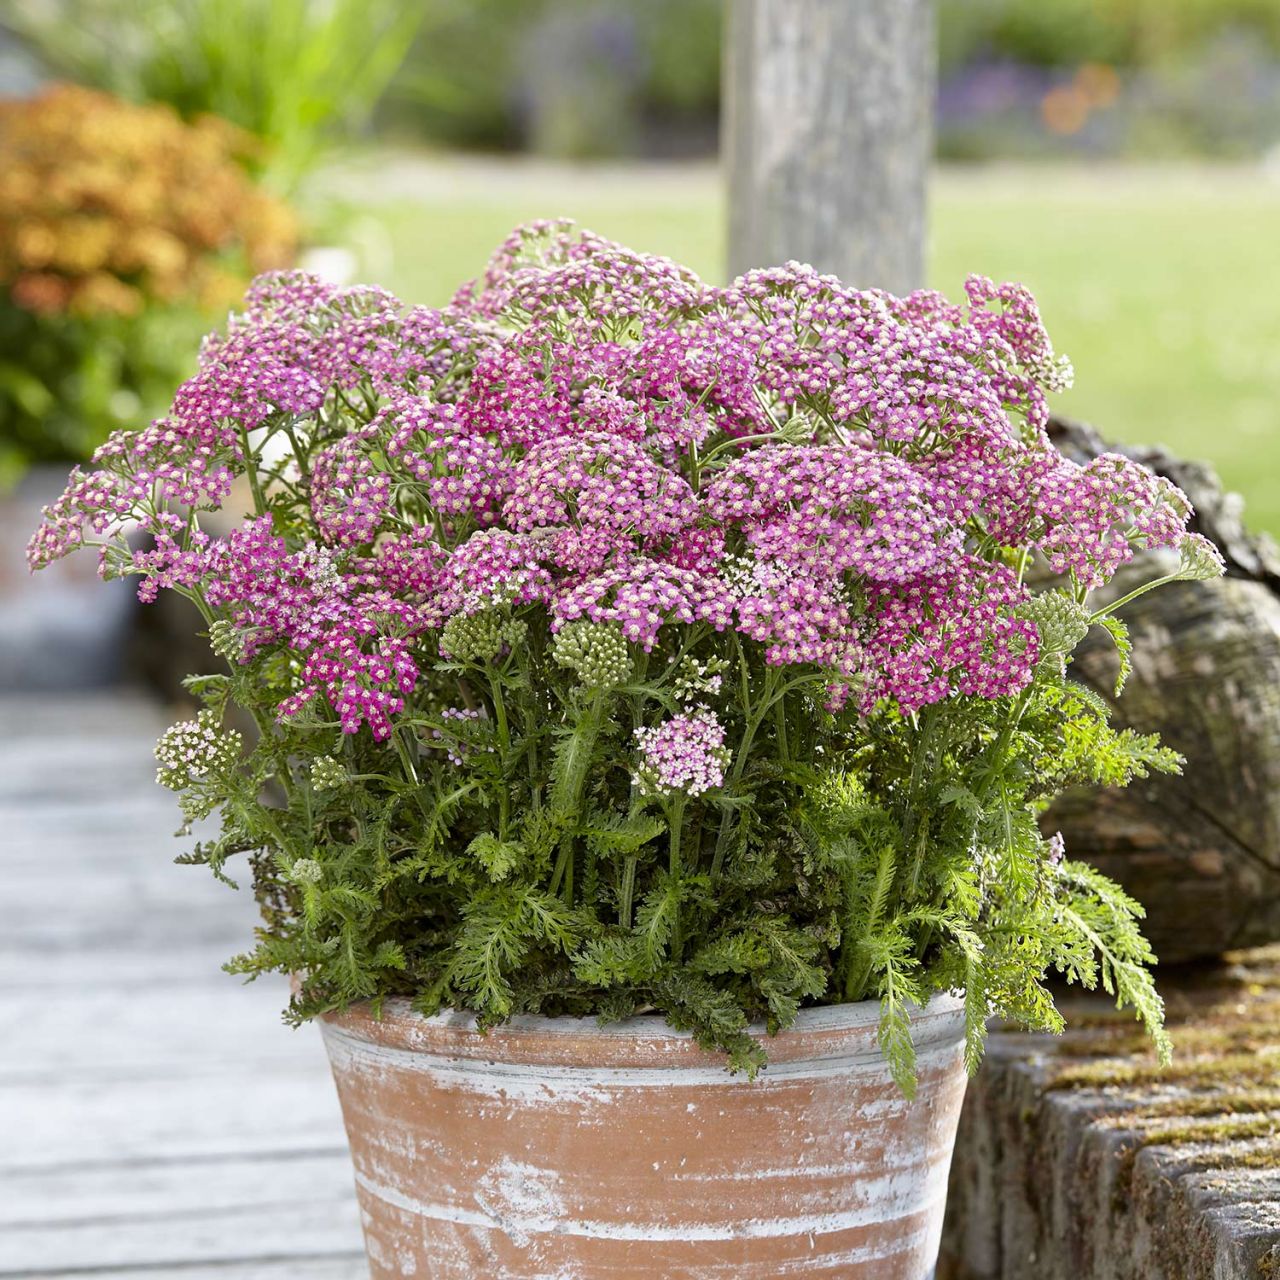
{"points": [[193, 1114], [156, 1117], [107, 1032], [121, 1190], [278, 1226]]}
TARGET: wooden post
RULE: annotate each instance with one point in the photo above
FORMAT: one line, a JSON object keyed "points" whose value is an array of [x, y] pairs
{"points": [[827, 136]]}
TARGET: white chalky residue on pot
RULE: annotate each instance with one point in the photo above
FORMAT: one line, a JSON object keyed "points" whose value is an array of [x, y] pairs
{"points": [[515, 1194], [558, 1085], [549, 1221]]}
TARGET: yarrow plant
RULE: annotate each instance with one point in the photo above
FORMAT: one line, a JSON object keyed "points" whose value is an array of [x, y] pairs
{"points": [[616, 642]]}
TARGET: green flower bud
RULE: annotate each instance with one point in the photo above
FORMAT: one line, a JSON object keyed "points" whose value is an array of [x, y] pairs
{"points": [[226, 641], [1062, 622], [327, 774], [595, 652], [1199, 559], [480, 637]]}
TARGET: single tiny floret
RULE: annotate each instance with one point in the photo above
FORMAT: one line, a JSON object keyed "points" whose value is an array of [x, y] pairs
{"points": [[480, 637], [193, 750], [595, 652], [327, 774], [1055, 849], [685, 754]]}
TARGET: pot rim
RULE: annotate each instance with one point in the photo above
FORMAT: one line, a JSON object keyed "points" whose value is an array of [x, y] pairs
{"points": [[844, 1031]]}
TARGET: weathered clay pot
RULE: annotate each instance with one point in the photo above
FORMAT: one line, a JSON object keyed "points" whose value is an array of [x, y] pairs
{"points": [[556, 1149]]}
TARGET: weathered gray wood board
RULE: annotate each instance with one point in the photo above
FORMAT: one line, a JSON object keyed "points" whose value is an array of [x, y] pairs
{"points": [[1201, 851], [156, 1118], [827, 136]]}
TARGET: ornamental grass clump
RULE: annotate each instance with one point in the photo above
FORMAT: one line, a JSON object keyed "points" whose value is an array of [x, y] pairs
{"points": [[619, 643]]}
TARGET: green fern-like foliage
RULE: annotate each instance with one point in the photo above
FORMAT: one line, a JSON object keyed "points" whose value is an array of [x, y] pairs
{"points": [[884, 857]]}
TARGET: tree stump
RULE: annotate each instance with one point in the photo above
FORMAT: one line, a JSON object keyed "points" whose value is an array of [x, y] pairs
{"points": [[1200, 851]]}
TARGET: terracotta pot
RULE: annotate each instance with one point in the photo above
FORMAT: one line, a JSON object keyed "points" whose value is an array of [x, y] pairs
{"points": [[556, 1149]]}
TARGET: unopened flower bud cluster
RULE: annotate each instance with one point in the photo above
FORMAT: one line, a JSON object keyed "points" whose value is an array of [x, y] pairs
{"points": [[595, 652], [480, 637]]}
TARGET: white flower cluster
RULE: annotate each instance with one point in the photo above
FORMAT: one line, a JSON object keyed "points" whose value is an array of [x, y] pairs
{"points": [[193, 749], [1053, 372], [323, 565], [697, 679], [306, 871]]}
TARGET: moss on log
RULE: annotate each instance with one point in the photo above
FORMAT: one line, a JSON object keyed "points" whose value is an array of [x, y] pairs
{"points": [[1080, 1158]]}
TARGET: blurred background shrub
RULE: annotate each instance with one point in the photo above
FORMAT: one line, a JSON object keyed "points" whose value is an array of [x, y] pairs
{"points": [[123, 230], [293, 73], [567, 78], [1149, 78], [573, 78]]}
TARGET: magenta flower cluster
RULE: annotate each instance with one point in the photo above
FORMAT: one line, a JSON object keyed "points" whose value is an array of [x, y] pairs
{"points": [[853, 482]]}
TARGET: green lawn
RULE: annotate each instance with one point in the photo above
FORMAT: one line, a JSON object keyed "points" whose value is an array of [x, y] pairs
{"points": [[1162, 285]]}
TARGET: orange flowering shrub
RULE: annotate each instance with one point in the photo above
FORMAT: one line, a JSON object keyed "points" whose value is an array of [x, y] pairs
{"points": [[106, 205], [123, 231]]}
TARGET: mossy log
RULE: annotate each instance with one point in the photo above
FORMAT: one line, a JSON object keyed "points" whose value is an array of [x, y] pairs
{"points": [[1081, 1158], [1200, 851]]}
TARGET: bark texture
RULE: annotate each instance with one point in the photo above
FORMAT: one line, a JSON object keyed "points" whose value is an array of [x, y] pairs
{"points": [[1200, 851], [827, 136]]}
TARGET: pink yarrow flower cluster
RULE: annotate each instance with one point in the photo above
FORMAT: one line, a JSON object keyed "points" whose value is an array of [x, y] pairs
{"points": [[851, 481], [685, 754]]}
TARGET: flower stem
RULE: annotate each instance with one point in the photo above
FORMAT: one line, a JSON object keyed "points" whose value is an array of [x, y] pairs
{"points": [[504, 745], [1134, 594], [675, 824]]}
